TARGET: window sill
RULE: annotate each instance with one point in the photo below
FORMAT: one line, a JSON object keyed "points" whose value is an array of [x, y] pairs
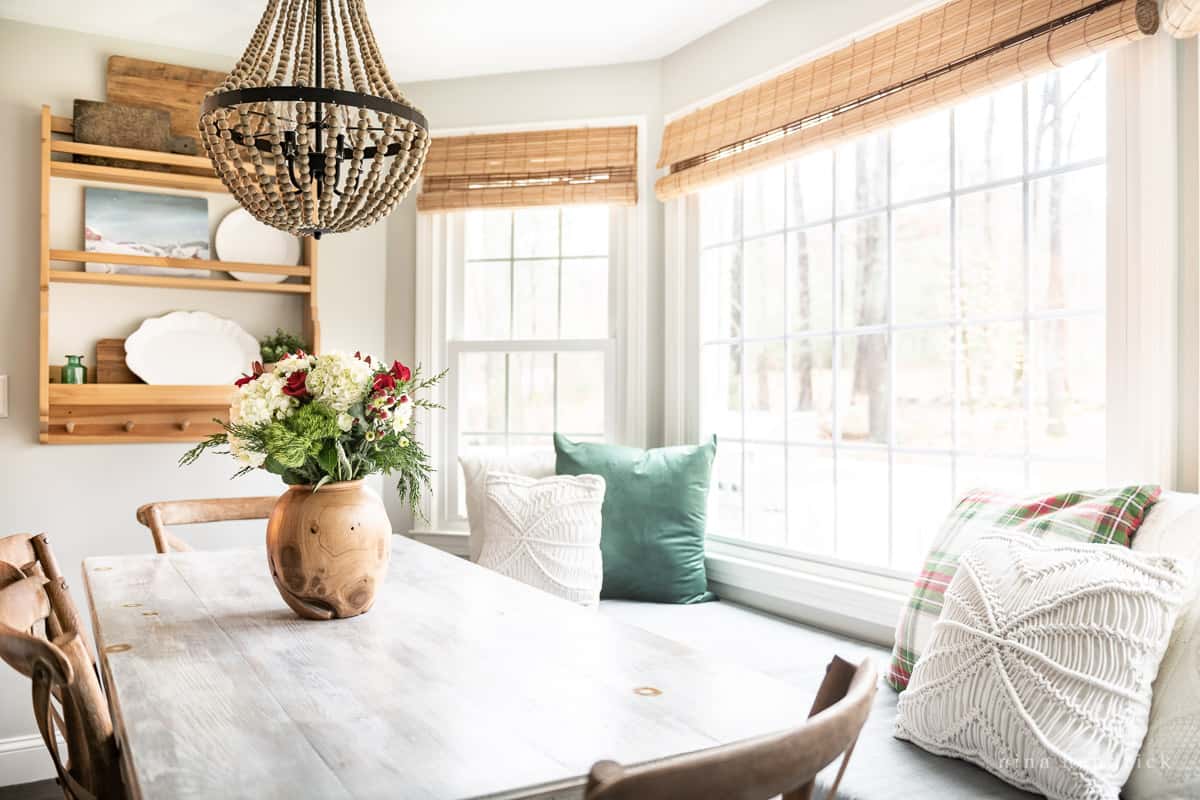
{"points": [[456, 543], [828, 599], [824, 596]]}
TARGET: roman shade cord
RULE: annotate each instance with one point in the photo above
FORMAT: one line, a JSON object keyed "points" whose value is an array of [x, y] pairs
{"points": [[531, 168], [1181, 18], [933, 60]]}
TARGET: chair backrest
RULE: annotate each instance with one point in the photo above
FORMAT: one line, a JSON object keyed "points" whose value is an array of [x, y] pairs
{"points": [[777, 764], [157, 516], [33, 594]]}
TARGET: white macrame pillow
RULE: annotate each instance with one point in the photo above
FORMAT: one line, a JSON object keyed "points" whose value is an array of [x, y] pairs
{"points": [[1169, 765], [1039, 668], [477, 467], [546, 533]]}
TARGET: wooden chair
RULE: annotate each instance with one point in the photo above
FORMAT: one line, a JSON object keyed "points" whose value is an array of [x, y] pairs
{"points": [[777, 764], [33, 594], [157, 516]]}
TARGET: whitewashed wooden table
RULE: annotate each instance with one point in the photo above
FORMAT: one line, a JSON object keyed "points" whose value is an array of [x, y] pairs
{"points": [[458, 683]]}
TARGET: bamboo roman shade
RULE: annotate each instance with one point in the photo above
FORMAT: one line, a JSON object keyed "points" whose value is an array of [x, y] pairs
{"points": [[1181, 18], [934, 59], [533, 168]]}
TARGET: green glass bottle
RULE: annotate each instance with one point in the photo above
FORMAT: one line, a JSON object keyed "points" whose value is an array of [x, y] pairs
{"points": [[74, 371]]}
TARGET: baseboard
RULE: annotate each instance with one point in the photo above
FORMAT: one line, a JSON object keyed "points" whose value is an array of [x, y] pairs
{"points": [[23, 759]]}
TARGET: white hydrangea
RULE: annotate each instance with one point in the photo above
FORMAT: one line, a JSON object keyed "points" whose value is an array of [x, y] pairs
{"points": [[291, 363], [339, 380], [402, 414], [262, 400]]}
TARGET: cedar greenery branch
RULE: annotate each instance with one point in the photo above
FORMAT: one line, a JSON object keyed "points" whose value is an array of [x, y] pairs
{"points": [[279, 344], [313, 419]]}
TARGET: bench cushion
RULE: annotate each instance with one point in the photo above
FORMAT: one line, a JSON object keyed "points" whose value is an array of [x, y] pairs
{"points": [[882, 766]]}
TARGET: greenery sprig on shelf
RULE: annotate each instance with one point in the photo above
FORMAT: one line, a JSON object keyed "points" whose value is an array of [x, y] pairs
{"points": [[279, 344]]}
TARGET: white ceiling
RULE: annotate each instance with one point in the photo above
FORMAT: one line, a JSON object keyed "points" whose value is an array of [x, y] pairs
{"points": [[422, 39]]}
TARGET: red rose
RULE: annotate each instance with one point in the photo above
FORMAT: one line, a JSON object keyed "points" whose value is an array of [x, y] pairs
{"points": [[295, 386], [401, 372], [383, 382]]}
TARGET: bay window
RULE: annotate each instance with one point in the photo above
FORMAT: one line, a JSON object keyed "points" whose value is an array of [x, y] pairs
{"points": [[888, 323]]}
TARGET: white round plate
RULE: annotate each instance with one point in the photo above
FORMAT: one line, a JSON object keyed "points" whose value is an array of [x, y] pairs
{"points": [[240, 237], [190, 348]]}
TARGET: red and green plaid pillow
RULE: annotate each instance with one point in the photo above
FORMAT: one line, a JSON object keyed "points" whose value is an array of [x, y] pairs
{"points": [[1108, 516]]}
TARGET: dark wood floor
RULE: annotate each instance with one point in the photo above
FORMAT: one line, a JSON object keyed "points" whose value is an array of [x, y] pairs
{"points": [[42, 790]]}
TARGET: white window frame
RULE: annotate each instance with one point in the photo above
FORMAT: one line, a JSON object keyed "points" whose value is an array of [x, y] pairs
{"points": [[440, 268], [1142, 344]]}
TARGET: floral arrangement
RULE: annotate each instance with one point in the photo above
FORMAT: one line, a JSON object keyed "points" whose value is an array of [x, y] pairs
{"points": [[333, 417]]}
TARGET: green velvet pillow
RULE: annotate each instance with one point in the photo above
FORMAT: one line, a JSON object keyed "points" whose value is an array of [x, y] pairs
{"points": [[655, 503]]}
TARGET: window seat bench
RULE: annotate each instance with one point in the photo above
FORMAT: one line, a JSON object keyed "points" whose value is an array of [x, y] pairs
{"points": [[882, 766]]}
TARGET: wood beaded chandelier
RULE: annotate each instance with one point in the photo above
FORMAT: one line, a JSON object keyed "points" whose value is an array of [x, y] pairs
{"points": [[308, 131]]}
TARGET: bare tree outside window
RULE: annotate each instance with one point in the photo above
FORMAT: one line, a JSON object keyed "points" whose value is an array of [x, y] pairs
{"points": [[893, 321]]}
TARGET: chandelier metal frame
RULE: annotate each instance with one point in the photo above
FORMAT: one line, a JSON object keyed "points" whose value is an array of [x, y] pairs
{"points": [[308, 156]]}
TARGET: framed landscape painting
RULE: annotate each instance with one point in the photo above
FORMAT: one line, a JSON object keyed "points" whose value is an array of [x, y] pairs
{"points": [[145, 224]]}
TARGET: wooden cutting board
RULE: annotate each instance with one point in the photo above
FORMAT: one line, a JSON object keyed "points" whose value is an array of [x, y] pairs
{"points": [[110, 363], [153, 84]]}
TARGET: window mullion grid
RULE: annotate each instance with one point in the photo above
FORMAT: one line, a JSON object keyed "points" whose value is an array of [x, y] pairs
{"points": [[956, 315], [890, 343], [835, 354], [512, 321], [739, 198], [507, 400], [559, 331], [1044, 315], [1027, 270], [870, 211], [1029, 317], [787, 369]]}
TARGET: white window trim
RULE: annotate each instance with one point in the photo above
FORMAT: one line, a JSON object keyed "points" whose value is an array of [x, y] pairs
{"points": [[439, 259], [1143, 279]]}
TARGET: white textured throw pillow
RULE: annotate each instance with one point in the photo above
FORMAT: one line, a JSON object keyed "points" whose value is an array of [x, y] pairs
{"points": [[1039, 668], [1169, 765], [546, 533], [531, 464]]}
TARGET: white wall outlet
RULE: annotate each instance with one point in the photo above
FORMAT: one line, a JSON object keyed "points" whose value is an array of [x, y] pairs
{"points": [[3, 396]]}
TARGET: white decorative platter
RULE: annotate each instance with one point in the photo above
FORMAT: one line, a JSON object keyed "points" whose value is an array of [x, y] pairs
{"points": [[191, 348], [240, 237]]}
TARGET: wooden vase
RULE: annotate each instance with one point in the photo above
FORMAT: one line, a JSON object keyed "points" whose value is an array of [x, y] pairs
{"points": [[329, 549]]}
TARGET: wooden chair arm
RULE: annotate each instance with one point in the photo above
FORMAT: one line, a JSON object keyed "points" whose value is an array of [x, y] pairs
{"points": [[9, 574], [24, 603], [17, 550], [157, 516], [24, 652], [217, 509]]}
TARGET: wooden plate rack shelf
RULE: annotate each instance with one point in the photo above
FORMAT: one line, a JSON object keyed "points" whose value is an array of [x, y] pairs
{"points": [[108, 413]]}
